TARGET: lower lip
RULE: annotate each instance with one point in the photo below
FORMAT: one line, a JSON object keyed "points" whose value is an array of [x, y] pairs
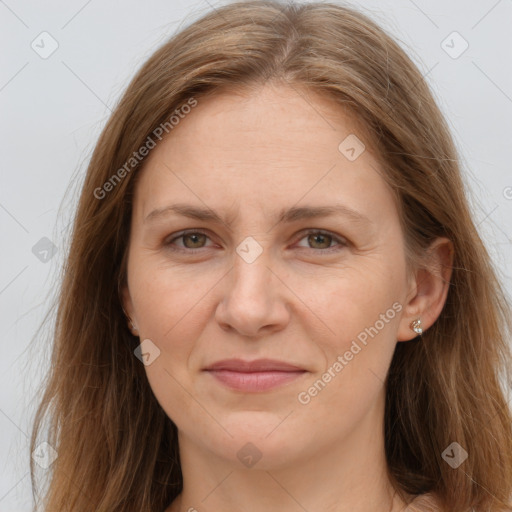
{"points": [[254, 381]]}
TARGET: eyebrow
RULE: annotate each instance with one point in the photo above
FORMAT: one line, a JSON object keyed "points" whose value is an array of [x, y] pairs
{"points": [[289, 215]]}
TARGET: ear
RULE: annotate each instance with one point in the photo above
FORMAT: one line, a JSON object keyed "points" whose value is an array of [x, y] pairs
{"points": [[428, 288], [127, 305]]}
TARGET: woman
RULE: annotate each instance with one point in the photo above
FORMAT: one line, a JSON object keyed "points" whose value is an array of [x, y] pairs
{"points": [[275, 296]]}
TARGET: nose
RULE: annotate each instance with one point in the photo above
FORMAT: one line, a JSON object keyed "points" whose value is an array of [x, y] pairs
{"points": [[254, 301]]}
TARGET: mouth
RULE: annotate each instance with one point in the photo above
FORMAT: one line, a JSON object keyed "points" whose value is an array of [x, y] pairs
{"points": [[254, 376]]}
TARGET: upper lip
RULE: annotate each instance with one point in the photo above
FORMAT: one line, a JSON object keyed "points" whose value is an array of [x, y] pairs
{"points": [[258, 365]]}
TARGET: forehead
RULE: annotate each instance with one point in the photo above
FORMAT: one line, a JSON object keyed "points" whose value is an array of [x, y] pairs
{"points": [[277, 116], [270, 146]]}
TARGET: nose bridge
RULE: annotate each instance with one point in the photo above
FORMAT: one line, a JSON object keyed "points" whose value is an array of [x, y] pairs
{"points": [[251, 277], [250, 261], [251, 299]]}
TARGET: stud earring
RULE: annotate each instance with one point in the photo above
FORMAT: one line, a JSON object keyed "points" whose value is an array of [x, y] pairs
{"points": [[416, 326], [132, 326]]}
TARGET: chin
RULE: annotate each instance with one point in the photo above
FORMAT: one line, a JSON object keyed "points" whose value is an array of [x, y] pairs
{"points": [[260, 440]]}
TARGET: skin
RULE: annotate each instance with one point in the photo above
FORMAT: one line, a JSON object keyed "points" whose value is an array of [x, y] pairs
{"points": [[303, 300]]}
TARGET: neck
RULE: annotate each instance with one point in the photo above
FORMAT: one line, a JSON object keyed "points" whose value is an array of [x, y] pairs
{"points": [[348, 477]]}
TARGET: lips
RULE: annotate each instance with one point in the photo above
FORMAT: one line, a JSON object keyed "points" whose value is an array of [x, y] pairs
{"points": [[253, 376], [258, 365]]}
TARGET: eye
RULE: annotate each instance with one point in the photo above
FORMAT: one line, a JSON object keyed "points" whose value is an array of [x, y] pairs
{"points": [[191, 240], [317, 240], [322, 240]]}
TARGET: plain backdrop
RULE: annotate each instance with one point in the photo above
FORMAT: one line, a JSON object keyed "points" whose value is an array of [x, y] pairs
{"points": [[53, 108]]}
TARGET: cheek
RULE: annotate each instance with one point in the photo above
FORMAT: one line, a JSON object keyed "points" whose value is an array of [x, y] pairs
{"points": [[357, 359], [170, 302], [361, 310], [171, 310], [353, 301]]}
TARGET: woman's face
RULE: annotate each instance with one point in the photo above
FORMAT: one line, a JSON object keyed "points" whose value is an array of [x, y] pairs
{"points": [[262, 274]]}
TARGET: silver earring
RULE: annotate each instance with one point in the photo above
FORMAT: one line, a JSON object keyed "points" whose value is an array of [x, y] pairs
{"points": [[416, 326]]}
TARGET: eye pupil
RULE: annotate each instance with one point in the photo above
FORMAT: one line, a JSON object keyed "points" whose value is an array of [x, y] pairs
{"points": [[312, 239], [195, 237]]}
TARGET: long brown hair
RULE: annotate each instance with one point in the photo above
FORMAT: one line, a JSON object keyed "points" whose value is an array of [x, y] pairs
{"points": [[117, 449]]}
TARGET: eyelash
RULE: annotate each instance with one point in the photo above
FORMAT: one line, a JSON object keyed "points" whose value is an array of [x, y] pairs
{"points": [[341, 241]]}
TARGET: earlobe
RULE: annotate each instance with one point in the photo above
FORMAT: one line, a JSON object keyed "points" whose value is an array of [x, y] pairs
{"points": [[133, 328], [127, 307], [429, 290]]}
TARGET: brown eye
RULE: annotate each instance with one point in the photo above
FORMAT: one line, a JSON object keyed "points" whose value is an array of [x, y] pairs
{"points": [[188, 241], [320, 240], [323, 242], [197, 240]]}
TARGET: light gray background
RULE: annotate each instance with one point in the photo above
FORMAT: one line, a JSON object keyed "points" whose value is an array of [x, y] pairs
{"points": [[52, 111]]}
